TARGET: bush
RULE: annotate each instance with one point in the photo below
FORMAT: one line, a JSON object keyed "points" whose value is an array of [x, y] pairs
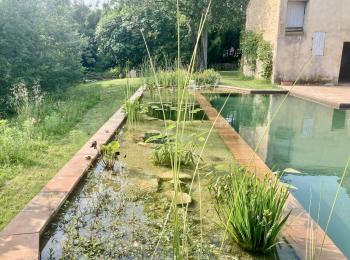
{"points": [[250, 210], [172, 78], [255, 48], [207, 78], [113, 73]]}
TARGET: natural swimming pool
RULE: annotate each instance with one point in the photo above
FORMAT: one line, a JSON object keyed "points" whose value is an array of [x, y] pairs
{"points": [[308, 137]]}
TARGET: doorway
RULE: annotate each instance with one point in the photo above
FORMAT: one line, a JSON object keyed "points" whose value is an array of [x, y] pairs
{"points": [[344, 73]]}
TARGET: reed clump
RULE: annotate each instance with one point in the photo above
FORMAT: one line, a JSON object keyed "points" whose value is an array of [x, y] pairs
{"points": [[251, 211]]}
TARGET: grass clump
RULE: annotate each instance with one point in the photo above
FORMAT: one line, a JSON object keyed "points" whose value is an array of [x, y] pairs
{"points": [[250, 210]]}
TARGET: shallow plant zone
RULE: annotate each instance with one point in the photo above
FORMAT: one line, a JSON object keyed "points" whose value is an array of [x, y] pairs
{"points": [[124, 212]]}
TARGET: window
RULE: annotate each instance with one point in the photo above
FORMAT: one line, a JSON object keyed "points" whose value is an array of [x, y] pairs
{"points": [[295, 16]]}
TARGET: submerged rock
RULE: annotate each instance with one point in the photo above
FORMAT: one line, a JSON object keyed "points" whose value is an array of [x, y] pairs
{"points": [[135, 188], [151, 133], [181, 199], [168, 176]]}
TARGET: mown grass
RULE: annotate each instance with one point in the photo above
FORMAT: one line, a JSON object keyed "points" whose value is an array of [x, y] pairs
{"points": [[237, 79], [22, 179]]}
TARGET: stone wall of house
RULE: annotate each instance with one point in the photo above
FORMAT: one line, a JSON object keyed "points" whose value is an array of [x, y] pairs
{"points": [[295, 51], [263, 17]]}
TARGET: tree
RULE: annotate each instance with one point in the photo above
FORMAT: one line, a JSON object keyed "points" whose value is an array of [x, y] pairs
{"points": [[119, 32], [87, 20], [39, 42]]}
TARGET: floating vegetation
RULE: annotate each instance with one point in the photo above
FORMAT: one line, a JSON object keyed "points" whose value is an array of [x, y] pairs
{"points": [[170, 110]]}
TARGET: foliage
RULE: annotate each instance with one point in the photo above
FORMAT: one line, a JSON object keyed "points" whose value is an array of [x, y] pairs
{"points": [[167, 150], [34, 49], [265, 57], [173, 78], [87, 20], [250, 210], [18, 144], [118, 32], [110, 153], [113, 73], [119, 37], [254, 49], [132, 109], [207, 78], [30, 156], [40, 117]]}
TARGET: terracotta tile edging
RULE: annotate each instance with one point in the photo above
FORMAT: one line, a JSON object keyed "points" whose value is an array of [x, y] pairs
{"points": [[300, 222], [20, 239]]}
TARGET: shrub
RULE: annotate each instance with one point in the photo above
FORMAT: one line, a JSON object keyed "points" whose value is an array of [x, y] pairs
{"points": [[250, 210], [207, 78], [255, 48], [172, 78], [113, 73]]}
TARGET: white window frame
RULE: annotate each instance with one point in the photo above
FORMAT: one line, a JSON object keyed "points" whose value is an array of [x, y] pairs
{"points": [[299, 15]]}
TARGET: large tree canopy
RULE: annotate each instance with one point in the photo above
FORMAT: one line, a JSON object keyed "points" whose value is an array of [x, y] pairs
{"points": [[39, 42], [120, 40]]}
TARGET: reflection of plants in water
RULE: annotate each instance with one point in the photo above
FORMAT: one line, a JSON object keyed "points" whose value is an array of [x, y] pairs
{"points": [[243, 110], [250, 210], [110, 153], [171, 110]]}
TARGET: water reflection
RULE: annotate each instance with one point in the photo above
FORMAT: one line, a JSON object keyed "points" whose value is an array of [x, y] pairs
{"points": [[306, 136]]}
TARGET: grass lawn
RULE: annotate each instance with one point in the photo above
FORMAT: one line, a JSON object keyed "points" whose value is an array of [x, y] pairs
{"points": [[21, 180], [237, 79]]}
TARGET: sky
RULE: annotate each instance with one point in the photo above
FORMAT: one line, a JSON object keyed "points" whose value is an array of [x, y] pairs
{"points": [[94, 2]]}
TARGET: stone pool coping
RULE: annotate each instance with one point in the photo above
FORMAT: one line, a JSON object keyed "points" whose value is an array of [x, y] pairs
{"points": [[337, 97], [299, 225], [233, 89], [20, 239]]}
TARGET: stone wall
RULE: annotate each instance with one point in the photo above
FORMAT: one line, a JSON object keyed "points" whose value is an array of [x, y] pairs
{"points": [[262, 17], [295, 51]]}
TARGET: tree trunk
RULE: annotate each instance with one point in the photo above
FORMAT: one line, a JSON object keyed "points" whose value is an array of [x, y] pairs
{"points": [[202, 55]]}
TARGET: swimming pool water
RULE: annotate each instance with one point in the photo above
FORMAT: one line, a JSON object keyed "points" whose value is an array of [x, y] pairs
{"points": [[309, 137]]}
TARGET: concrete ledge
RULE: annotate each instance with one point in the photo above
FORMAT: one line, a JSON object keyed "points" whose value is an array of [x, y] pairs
{"points": [[20, 239], [300, 223], [232, 89], [335, 97]]}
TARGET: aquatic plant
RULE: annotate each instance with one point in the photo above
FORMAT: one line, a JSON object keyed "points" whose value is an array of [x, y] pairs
{"points": [[250, 210], [166, 150], [132, 109], [110, 153]]}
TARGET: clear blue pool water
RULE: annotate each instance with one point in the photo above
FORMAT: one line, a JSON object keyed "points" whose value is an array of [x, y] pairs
{"points": [[309, 137]]}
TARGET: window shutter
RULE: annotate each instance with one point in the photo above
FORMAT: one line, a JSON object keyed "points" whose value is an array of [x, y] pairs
{"points": [[295, 15]]}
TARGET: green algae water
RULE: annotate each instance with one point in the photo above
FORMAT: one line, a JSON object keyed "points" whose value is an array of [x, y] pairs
{"points": [[308, 137]]}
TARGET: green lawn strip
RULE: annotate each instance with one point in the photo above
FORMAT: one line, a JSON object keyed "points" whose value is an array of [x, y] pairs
{"points": [[237, 79], [22, 183]]}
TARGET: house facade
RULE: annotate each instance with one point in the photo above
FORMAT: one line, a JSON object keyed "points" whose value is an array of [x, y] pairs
{"points": [[310, 38]]}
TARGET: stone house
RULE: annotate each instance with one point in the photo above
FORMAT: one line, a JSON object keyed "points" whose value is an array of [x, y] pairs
{"points": [[310, 38]]}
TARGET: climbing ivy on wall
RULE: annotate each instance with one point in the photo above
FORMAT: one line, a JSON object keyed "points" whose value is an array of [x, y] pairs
{"points": [[255, 48]]}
